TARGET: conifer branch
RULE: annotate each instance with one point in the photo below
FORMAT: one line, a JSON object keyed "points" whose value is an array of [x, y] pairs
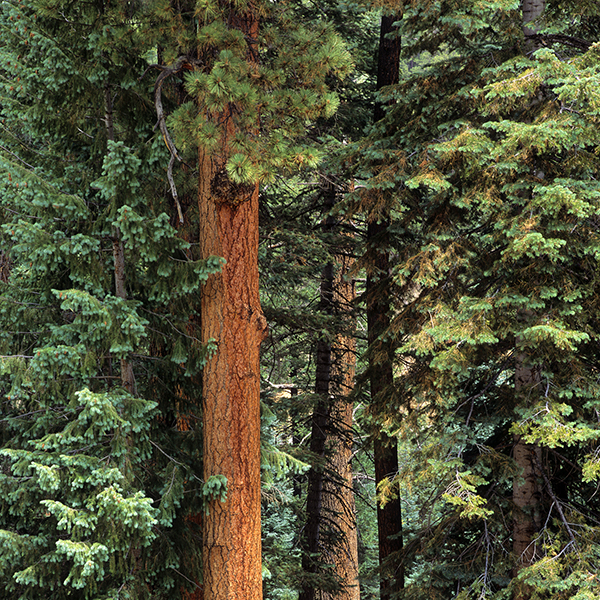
{"points": [[555, 500], [181, 63], [559, 38]]}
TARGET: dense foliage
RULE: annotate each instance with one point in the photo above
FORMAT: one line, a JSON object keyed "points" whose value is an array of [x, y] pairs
{"points": [[482, 176]]}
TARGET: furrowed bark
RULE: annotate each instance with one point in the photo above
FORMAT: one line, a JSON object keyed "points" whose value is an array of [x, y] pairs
{"points": [[330, 533], [338, 494], [231, 318]]}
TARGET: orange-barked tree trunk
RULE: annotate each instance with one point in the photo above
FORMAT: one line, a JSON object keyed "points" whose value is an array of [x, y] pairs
{"points": [[231, 319]]}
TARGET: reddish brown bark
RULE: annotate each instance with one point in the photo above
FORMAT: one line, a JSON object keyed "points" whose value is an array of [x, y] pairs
{"points": [[232, 318], [330, 536], [338, 495]]}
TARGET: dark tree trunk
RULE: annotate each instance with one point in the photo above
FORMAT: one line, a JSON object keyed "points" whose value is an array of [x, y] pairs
{"points": [[389, 516]]}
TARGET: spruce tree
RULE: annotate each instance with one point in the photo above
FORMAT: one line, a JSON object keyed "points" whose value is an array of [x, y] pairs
{"points": [[96, 480]]}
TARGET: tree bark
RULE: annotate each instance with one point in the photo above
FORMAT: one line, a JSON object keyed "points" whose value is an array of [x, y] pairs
{"points": [[338, 494], [127, 375], [231, 318], [330, 536], [532, 11], [389, 516], [527, 494], [527, 488]]}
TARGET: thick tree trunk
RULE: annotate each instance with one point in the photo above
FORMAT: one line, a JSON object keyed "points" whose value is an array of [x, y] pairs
{"points": [[389, 517], [232, 318]]}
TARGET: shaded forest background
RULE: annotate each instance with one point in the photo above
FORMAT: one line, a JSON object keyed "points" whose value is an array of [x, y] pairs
{"points": [[405, 404]]}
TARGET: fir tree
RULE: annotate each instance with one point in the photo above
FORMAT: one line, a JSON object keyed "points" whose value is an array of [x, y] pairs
{"points": [[94, 473]]}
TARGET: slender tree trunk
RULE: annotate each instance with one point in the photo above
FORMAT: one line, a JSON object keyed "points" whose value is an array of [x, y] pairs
{"points": [[527, 494], [231, 318], [4, 266], [389, 516], [320, 423], [330, 536], [338, 494], [527, 487], [127, 375], [532, 11]]}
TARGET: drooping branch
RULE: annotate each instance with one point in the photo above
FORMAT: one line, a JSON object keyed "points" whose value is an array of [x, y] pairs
{"points": [[558, 38], [183, 62], [556, 501]]}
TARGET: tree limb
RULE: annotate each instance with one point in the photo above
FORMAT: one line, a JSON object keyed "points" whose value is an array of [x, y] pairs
{"points": [[559, 38], [181, 63]]}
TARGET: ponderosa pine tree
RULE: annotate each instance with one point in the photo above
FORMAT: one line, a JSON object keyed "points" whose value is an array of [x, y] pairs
{"points": [[254, 103], [330, 559], [255, 91]]}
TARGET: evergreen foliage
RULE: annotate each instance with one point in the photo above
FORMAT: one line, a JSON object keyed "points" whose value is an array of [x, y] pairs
{"points": [[486, 159], [486, 164], [96, 481]]}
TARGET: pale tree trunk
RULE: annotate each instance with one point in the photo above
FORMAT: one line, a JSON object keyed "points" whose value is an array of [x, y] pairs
{"points": [[233, 319], [532, 12], [127, 375], [330, 536], [389, 516]]}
